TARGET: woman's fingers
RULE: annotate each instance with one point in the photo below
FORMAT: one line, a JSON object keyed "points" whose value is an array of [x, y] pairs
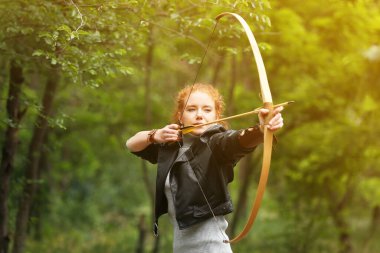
{"points": [[173, 126], [277, 118], [168, 133], [278, 109], [264, 112], [276, 122]]}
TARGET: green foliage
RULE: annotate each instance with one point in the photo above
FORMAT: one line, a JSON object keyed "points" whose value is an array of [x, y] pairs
{"points": [[325, 166]]}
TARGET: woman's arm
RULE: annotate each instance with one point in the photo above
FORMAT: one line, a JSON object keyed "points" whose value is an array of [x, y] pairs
{"points": [[143, 139], [139, 141]]}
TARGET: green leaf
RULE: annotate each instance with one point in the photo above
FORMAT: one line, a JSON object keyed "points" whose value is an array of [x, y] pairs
{"points": [[120, 51], [174, 15], [369, 104], [38, 52], [126, 70], [64, 28]]}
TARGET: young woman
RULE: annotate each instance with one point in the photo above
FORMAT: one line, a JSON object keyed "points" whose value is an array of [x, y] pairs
{"points": [[194, 169]]}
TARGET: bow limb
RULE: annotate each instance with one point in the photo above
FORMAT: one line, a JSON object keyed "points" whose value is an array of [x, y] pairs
{"points": [[265, 91], [268, 140], [268, 135]]}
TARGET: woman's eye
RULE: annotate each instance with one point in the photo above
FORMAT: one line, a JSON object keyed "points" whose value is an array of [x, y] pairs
{"points": [[190, 109]]}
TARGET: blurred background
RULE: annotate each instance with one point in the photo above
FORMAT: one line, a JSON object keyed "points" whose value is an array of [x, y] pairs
{"points": [[78, 78]]}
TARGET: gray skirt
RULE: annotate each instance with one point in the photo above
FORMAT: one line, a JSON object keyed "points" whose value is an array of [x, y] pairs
{"points": [[204, 237]]}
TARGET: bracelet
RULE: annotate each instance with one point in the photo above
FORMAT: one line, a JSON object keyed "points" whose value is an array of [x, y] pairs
{"points": [[150, 138]]}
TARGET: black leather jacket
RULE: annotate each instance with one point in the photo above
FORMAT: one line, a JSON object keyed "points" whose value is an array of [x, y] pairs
{"points": [[209, 161]]}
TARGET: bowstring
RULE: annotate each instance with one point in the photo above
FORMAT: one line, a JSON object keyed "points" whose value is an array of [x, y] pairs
{"points": [[198, 71], [225, 239], [224, 236]]}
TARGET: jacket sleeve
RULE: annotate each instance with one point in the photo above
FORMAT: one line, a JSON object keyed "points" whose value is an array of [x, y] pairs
{"points": [[251, 137], [150, 153], [230, 146]]}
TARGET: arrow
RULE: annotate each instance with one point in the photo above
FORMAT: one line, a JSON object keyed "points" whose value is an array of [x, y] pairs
{"points": [[189, 129]]}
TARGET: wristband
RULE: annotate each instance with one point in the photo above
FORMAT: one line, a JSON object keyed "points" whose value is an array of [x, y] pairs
{"points": [[150, 138]]}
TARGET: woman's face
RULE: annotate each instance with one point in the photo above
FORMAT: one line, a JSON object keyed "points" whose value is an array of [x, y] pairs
{"points": [[200, 109]]}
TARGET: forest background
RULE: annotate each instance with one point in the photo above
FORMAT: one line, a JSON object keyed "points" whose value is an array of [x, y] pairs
{"points": [[80, 77]]}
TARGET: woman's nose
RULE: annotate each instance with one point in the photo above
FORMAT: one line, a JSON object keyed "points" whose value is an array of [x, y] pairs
{"points": [[199, 114]]}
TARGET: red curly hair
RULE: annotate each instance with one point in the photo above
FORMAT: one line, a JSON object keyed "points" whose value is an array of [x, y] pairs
{"points": [[183, 95]]}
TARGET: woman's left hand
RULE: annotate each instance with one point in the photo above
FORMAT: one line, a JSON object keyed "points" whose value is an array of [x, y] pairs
{"points": [[276, 122]]}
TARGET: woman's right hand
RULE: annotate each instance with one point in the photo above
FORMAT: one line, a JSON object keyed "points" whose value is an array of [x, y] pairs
{"points": [[168, 133]]}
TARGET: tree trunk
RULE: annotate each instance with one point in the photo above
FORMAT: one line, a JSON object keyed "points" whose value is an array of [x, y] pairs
{"points": [[9, 148], [337, 210], [31, 167], [156, 246], [230, 95], [148, 110], [344, 233], [40, 204], [142, 235], [375, 224], [148, 78], [373, 229], [218, 67], [148, 121]]}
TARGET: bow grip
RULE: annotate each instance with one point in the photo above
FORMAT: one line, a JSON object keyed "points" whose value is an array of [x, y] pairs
{"points": [[269, 116]]}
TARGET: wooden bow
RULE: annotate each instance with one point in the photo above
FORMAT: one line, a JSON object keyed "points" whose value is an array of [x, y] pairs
{"points": [[268, 135]]}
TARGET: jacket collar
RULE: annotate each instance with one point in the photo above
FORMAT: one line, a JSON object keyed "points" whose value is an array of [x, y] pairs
{"points": [[205, 136]]}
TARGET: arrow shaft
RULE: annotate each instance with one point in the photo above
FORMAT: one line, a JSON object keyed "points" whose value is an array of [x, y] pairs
{"points": [[189, 129]]}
